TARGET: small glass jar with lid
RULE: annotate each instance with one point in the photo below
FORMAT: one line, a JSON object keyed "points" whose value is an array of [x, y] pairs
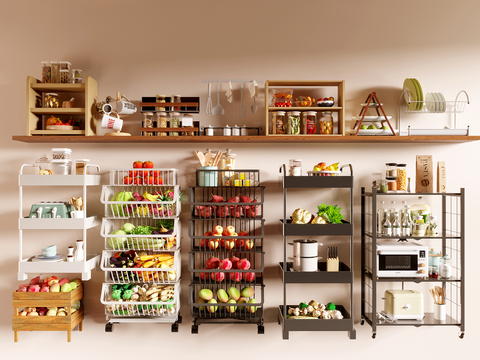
{"points": [[51, 100], [391, 183], [402, 177], [175, 99], [391, 170], [418, 226], [187, 122], [43, 166], [174, 122], [377, 177], [278, 123], [56, 72], [325, 123], [148, 123], [293, 125], [309, 122], [445, 267], [160, 99], [162, 122], [295, 167], [77, 76], [227, 162], [432, 226]]}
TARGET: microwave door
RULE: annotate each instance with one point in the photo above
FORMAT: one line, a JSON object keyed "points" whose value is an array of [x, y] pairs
{"points": [[398, 264]]}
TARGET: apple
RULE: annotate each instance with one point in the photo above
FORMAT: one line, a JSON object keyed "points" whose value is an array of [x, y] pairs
{"points": [[213, 262], [213, 244], [204, 276], [66, 287], [77, 281], [73, 284], [239, 243], [249, 244], [63, 281], [138, 164], [52, 282], [218, 229], [225, 264], [230, 230], [23, 288], [34, 288], [147, 165], [250, 276], [55, 287]]}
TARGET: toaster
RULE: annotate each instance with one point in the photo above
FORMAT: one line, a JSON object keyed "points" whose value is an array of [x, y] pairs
{"points": [[404, 304], [50, 209]]}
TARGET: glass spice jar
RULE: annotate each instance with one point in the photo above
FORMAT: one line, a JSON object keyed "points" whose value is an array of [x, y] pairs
{"points": [[175, 99], [309, 121], [187, 122], [55, 72], [391, 170], [174, 122], [278, 123], [160, 99], [293, 123], [392, 184], [51, 100], [325, 123], [161, 122], [402, 177], [148, 123]]}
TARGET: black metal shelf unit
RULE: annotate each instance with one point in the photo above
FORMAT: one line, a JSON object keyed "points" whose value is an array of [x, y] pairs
{"points": [[452, 239], [343, 276], [207, 211]]}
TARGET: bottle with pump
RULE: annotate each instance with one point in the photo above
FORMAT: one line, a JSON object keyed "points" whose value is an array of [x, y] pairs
{"points": [[381, 216]]}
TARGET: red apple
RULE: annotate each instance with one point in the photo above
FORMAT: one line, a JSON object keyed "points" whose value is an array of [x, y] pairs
{"points": [[250, 276], [239, 243], [217, 229], [228, 244], [138, 164], [234, 261], [230, 230], [213, 262], [249, 244], [204, 276]]}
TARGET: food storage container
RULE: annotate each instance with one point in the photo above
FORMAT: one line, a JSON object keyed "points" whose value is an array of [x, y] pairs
{"points": [[187, 122], [295, 167], [309, 121], [43, 166], [77, 77], [160, 99], [227, 131], [65, 65], [61, 153], [418, 226], [282, 97], [162, 122], [434, 257], [174, 122], [383, 186], [325, 123], [55, 72], [65, 76], [278, 123], [432, 226], [402, 177], [376, 181], [206, 177], [420, 209], [305, 248], [175, 99], [445, 267], [209, 130], [80, 165], [227, 162], [293, 124], [391, 184], [391, 170], [433, 271], [51, 100], [148, 123], [46, 72], [235, 131], [62, 167]]}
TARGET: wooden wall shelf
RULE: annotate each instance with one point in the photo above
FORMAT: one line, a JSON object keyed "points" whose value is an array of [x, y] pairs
{"points": [[294, 139]]}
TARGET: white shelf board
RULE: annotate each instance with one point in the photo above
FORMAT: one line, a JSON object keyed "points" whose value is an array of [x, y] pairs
{"points": [[58, 180], [83, 267], [58, 224]]}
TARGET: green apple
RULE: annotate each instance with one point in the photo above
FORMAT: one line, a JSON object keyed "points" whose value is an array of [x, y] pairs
{"points": [[372, 127], [363, 127], [384, 128]]}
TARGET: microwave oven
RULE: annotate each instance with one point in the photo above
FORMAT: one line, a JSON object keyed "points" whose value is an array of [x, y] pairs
{"points": [[402, 259]]}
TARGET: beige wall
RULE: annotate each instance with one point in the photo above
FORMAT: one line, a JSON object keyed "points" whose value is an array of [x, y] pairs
{"points": [[147, 47]]}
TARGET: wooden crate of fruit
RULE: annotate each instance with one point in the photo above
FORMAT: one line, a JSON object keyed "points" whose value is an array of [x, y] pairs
{"points": [[47, 299]]}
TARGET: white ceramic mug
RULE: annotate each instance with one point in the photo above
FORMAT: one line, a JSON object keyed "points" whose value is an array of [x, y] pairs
{"points": [[110, 122], [77, 214], [439, 312]]}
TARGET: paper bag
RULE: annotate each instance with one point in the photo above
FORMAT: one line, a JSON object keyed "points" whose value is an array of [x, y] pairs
{"points": [[424, 183], [441, 177]]}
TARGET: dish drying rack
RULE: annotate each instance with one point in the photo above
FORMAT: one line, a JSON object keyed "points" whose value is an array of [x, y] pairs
{"points": [[452, 107]]}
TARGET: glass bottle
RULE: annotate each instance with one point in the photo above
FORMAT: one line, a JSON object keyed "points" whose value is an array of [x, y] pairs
{"points": [[309, 120], [381, 216], [387, 227], [406, 226], [148, 123], [396, 227], [160, 99], [445, 267], [393, 213], [293, 123], [402, 177], [227, 162], [43, 166], [278, 123], [432, 226], [325, 123], [174, 122], [162, 122]]}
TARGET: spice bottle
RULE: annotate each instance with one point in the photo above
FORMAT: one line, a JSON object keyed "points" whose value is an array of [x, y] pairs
{"points": [[174, 122], [187, 122], [160, 99], [162, 122], [387, 227], [406, 227], [381, 216], [445, 267], [148, 123], [46, 72]]}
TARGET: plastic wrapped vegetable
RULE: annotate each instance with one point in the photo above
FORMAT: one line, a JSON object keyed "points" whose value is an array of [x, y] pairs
{"points": [[301, 216]]}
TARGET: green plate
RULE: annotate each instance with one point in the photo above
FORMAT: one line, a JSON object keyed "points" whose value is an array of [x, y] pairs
{"points": [[419, 94], [411, 86]]}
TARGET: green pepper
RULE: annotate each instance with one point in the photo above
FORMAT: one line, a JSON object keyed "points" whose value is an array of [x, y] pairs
{"points": [[330, 306], [116, 295], [302, 306]]}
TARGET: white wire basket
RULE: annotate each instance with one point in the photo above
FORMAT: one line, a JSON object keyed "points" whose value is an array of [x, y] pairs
{"points": [[157, 242], [153, 274], [167, 177], [140, 209], [167, 309]]}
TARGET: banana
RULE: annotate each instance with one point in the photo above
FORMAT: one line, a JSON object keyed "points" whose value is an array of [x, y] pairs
{"points": [[149, 197], [334, 166]]}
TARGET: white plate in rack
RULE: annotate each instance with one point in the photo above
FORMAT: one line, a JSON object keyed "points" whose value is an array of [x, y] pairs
{"points": [[443, 106], [430, 101]]}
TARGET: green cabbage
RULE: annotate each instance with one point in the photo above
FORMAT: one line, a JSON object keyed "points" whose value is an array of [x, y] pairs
{"points": [[128, 227], [117, 242]]}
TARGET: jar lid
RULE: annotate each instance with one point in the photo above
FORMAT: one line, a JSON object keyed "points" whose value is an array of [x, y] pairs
{"points": [[62, 150], [51, 94], [326, 113], [160, 96], [391, 164], [294, 113], [175, 113], [148, 113], [161, 113], [391, 178], [177, 95], [401, 165], [314, 113], [281, 113]]}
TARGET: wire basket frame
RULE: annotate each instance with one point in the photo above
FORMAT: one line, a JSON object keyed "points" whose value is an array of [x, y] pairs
{"points": [[232, 178], [152, 177]]}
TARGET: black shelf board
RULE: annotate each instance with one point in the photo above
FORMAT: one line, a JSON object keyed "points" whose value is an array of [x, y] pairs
{"points": [[223, 317], [369, 234], [345, 324], [428, 320], [317, 229], [343, 276], [413, 279], [305, 182]]}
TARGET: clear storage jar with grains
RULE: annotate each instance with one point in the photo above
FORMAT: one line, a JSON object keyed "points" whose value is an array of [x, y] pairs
{"points": [[162, 122], [174, 122], [325, 123], [402, 177], [148, 123]]}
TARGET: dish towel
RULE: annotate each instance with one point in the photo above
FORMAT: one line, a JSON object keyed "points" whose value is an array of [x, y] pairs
{"points": [[229, 93], [253, 88]]}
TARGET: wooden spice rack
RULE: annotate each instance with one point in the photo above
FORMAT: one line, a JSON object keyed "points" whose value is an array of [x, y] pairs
{"points": [[47, 323]]}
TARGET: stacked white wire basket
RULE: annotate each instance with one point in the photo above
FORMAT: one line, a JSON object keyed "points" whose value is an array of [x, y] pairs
{"points": [[142, 236]]}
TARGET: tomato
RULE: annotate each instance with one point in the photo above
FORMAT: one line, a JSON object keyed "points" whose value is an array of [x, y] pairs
{"points": [[142, 173], [148, 180], [137, 164], [132, 173], [127, 180], [157, 180], [155, 173], [137, 181], [148, 165]]}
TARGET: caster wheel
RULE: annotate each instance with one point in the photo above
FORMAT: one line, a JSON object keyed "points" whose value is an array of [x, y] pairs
{"points": [[194, 329], [261, 330], [374, 335], [175, 327], [179, 321], [462, 335], [108, 327], [362, 322]]}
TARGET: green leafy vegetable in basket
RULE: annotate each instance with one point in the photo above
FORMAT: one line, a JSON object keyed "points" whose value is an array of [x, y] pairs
{"points": [[331, 213], [142, 230], [167, 224]]}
